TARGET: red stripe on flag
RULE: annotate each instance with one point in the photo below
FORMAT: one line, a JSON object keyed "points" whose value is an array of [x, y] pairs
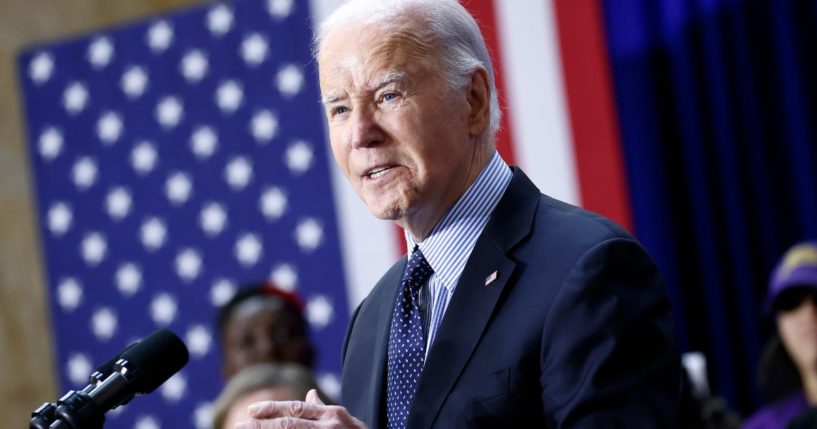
{"points": [[483, 12], [593, 115]]}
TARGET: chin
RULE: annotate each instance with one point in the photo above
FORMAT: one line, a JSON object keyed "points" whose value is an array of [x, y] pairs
{"points": [[385, 211], [386, 214]]}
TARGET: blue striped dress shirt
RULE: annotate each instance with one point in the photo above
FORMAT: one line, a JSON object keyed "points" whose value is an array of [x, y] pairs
{"points": [[452, 240]]}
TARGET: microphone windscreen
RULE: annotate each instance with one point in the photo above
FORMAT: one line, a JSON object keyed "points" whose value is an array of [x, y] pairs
{"points": [[155, 359]]}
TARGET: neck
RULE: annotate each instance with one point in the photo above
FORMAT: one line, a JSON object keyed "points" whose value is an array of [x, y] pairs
{"points": [[421, 223], [810, 386]]}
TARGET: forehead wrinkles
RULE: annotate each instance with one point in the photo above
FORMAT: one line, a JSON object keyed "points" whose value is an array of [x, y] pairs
{"points": [[402, 47], [391, 51]]}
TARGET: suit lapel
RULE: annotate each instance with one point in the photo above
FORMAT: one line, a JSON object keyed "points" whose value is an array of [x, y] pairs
{"points": [[473, 303], [384, 305]]}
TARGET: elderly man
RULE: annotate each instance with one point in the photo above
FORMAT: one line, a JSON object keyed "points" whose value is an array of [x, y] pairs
{"points": [[511, 309]]}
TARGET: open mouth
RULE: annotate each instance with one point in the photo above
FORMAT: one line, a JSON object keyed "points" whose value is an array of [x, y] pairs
{"points": [[377, 172]]}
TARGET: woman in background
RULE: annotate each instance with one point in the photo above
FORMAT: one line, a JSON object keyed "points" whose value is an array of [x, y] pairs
{"points": [[788, 369], [262, 382]]}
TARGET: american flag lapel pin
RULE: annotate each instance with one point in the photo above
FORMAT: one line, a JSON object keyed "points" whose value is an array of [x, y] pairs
{"points": [[491, 278]]}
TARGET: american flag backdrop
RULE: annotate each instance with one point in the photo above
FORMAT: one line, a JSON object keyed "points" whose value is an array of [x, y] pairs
{"points": [[176, 157]]}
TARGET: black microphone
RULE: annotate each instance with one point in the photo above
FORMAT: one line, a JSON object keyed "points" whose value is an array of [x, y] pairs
{"points": [[43, 416], [139, 369]]}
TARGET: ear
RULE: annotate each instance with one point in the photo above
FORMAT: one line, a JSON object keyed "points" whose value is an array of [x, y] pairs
{"points": [[479, 101]]}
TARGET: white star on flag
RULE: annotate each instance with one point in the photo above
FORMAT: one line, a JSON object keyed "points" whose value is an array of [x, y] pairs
{"points": [[84, 173], [41, 67], [69, 294], [279, 9], [163, 309], [75, 98], [221, 292], [330, 384], [59, 218], [100, 52], [104, 323], [188, 264], [194, 66], [289, 80], [169, 112], [50, 143], [153, 233], [285, 277], [220, 20], [248, 249], [160, 36], [254, 49], [134, 81], [308, 234], [79, 368], [319, 311], [118, 203], [229, 96], [198, 340], [178, 188], [128, 279], [263, 126], [238, 172], [93, 248], [109, 127], [174, 388], [146, 422], [203, 142], [143, 157], [299, 157], [213, 218], [273, 203], [203, 416]]}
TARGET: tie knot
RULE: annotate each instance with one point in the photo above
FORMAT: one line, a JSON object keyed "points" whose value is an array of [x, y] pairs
{"points": [[418, 270]]}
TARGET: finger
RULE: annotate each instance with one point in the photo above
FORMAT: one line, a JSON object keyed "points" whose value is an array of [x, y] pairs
{"points": [[280, 423], [313, 398], [273, 409]]}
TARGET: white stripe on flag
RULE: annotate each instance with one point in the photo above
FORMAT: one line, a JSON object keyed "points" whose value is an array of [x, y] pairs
{"points": [[543, 143]]}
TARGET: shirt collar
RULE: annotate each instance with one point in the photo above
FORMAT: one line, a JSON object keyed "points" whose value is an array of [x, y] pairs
{"points": [[451, 241]]}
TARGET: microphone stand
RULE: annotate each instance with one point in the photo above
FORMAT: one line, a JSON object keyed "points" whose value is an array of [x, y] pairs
{"points": [[83, 409]]}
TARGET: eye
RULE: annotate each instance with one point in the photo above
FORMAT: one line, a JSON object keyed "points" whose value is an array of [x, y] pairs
{"points": [[389, 96], [338, 110]]}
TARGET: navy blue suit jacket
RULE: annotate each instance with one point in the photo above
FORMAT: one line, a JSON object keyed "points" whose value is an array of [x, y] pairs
{"points": [[576, 331]]}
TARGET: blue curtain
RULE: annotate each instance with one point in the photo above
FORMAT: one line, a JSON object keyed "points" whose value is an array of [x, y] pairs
{"points": [[717, 102]]}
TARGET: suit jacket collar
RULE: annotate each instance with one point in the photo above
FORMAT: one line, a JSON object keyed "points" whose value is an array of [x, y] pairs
{"points": [[473, 302], [387, 290]]}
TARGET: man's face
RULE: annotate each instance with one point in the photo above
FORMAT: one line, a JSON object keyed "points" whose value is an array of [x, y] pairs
{"points": [[398, 132]]}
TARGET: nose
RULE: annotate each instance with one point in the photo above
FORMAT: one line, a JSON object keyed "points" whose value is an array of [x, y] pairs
{"points": [[365, 127], [265, 350]]}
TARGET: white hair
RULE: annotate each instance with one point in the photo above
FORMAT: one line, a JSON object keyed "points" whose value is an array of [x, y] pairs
{"points": [[446, 24]]}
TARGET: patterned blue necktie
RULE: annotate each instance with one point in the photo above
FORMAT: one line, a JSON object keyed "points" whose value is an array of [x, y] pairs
{"points": [[406, 342]]}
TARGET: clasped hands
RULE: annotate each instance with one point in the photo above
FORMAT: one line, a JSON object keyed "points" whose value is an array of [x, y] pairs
{"points": [[311, 413]]}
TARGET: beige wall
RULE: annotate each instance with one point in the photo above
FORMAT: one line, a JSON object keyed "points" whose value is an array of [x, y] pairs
{"points": [[26, 365]]}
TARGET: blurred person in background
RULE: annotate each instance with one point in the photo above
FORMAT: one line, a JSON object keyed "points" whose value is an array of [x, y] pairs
{"points": [[788, 368], [262, 382], [263, 323]]}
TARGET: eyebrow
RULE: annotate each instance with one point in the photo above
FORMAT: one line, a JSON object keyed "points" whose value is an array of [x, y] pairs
{"points": [[385, 80]]}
